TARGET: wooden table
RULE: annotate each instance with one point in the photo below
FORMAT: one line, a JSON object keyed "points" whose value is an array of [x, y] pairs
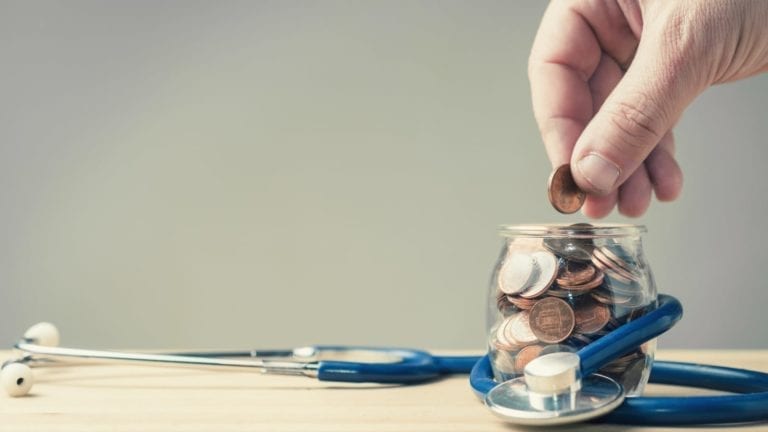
{"points": [[123, 398]]}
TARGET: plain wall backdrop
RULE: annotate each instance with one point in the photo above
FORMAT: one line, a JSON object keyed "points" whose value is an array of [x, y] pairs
{"points": [[238, 174]]}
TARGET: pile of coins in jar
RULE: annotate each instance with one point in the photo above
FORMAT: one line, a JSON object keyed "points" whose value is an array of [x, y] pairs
{"points": [[560, 293]]}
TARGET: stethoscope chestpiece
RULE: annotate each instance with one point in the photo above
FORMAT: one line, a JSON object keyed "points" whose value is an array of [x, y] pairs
{"points": [[552, 392]]}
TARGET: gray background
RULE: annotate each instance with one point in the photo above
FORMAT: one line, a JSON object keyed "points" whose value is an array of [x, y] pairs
{"points": [[208, 174]]}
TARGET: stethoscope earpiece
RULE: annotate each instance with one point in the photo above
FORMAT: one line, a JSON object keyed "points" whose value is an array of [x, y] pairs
{"points": [[43, 334], [16, 378]]}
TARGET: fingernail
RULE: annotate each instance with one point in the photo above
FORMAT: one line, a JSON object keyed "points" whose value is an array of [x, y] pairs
{"points": [[599, 172]]}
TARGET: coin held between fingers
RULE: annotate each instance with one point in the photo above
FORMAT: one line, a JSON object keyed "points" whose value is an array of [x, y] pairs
{"points": [[563, 192]]}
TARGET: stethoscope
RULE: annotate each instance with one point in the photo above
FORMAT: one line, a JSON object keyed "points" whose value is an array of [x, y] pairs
{"points": [[556, 388]]}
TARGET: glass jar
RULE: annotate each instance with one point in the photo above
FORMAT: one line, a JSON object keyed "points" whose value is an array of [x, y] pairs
{"points": [[559, 287]]}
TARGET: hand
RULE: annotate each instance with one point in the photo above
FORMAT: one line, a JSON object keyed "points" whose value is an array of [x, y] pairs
{"points": [[610, 78]]}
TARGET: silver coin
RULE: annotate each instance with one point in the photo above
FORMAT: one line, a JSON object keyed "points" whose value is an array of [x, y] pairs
{"points": [[547, 266], [516, 272]]}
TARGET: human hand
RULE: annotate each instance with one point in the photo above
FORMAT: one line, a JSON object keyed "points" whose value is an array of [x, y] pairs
{"points": [[610, 78]]}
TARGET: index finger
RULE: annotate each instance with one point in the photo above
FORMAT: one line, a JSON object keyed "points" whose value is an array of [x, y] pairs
{"points": [[565, 53]]}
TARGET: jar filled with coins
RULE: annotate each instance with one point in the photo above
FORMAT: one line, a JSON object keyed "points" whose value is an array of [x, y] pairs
{"points": [[559, 287]]}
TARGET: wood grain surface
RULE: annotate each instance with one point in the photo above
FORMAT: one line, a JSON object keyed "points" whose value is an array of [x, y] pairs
{"points": [[128, 398]]}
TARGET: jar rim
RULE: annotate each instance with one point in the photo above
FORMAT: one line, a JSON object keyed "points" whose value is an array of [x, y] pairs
{"points": [[581, 230]]}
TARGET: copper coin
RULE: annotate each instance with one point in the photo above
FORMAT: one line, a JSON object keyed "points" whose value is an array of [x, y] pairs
{"points": [[557, 292], [594, 283], [546, 263], [616, 253], [552, 320], [614, 268], [609, 268], [599, 263], [516, 272], [614, 258], [526, 355], [522, 303], [563, 193], [606, 267], [603, 296], [609, 298], [576, 273], [514, 332], [616, 263], [591, 316], [503, 340]]}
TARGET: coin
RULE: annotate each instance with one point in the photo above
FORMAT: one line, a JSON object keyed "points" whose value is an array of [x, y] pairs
{"points": [[504, 362], [631, 288], [558, 292], [620, 364], [581, 226], [632, 374], [546, 263], [503, 341], [504, 305], [613, 266], [591, 316], [520, 302], [594, 283], [606, 251], [514, 332], [573, 249], [520, 329], [579, 340], [526, 355], [618, 254], [564, 292], [575, 273], [609, 268], [609, 298], [516, 272], [552, 320], [563, 192]]}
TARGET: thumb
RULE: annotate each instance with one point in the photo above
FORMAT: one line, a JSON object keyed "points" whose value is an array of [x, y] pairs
{"points": [[645, 104]]}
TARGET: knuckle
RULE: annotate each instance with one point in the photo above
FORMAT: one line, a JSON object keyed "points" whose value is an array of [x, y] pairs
{"points": [[635, 125]]}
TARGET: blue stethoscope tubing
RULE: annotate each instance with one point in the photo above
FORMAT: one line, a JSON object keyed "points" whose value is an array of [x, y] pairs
{"points": [[749, 406]]}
